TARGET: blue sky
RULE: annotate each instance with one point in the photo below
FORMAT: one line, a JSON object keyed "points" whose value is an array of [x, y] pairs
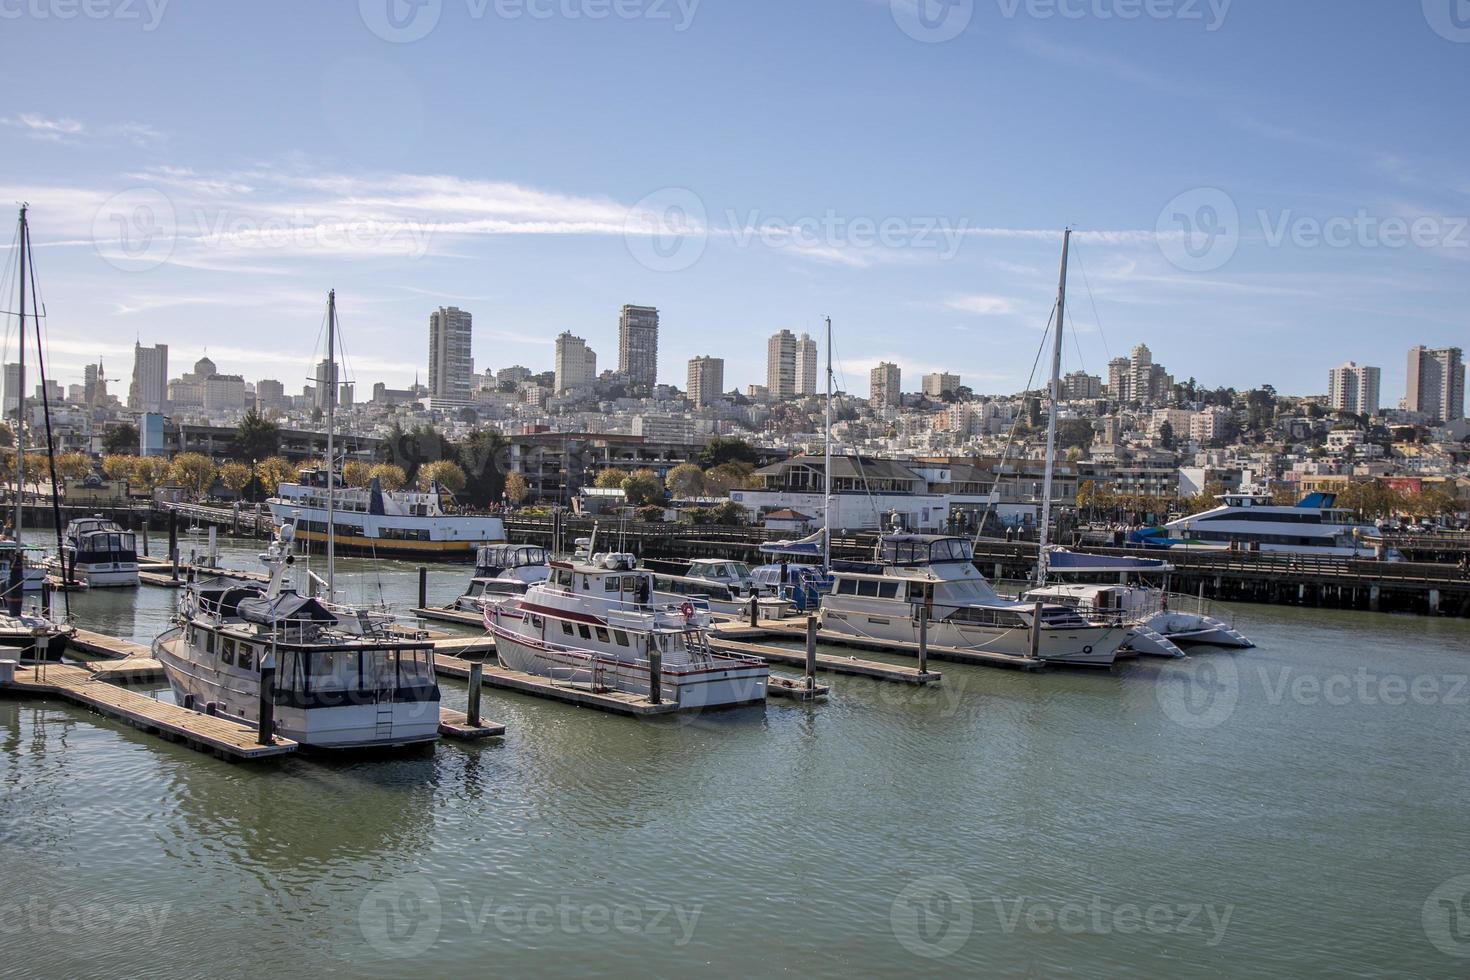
{"points": [[1262, 189]]}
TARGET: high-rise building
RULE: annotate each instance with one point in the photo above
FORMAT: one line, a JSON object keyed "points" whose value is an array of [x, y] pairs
{"points": [[1437, 383], [451, 363], [149, 390], [806, 366], [270, 395], [638, 345], [1081, 386], [939, 384], [883, 386], [1118, 380], [1141, 374], [1354, 389], [94, 384], [224, 393], [13, 386], [706, 380], [326, 383], [576, 363], [781, 366]]}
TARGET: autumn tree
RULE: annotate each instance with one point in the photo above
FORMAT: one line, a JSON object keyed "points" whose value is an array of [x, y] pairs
{"points": [[643, 487], [195, 472], [686, 480], [235, 476], [443, 472], [610, 480], [272, 472], [390, 476], [73, 466], [516, 490], [147, 472], [356, 473], [720, 480], [118, 467]]}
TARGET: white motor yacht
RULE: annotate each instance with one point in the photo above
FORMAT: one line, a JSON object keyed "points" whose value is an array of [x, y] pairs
{"points": [[1252, 520], [504, 570]]}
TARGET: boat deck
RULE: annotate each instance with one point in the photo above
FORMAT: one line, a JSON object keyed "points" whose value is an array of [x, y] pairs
{"points": [[206, 733]]}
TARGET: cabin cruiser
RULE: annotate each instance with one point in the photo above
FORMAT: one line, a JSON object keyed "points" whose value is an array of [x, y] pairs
{"points": [[722, 599], [882, 600], [333, 688], [1252, 520], [502, 570], [735, 574], [1158, 624], [97, 553], [596, 623], [34, 575]]}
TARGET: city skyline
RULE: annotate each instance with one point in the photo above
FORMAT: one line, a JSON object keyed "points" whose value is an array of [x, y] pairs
{"points": [[254, 223]]}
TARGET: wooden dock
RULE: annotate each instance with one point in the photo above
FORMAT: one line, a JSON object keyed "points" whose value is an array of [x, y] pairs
{"points": [[826, 662], [457, 616], [795, 630], [134, 670], [795, 689], [617, 702], [206, 733], [456, 725], [107, 647]]}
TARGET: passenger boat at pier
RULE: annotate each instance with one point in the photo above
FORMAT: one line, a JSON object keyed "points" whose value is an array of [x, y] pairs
{"points": [[384, 523], [504, 570], [98, 554], [599, 623], [333, 688], [1252, 520], [934, 576]]}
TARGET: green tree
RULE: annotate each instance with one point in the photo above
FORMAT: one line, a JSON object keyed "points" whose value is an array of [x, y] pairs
{"points": [[1166, 435], [643, 487], [723, 449], [720, 480], [686, 480], [120, 440], [609, 480], [257, 437], [482, 456]]}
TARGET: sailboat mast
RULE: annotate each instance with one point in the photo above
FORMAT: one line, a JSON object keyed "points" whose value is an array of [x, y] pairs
{"points": [[20, 399], [827, 465], [331, 382], [1053, 399]]}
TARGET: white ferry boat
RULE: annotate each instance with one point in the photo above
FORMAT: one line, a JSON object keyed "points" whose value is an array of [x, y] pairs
{"points": [[334, 688], [504, 570], [1252, 520], [99, 554], [882, 600], [596, 624], [386, 523]]}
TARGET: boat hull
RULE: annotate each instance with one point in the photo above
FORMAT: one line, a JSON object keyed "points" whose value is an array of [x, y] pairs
{"points": [[1080, 647], [47, 648]]}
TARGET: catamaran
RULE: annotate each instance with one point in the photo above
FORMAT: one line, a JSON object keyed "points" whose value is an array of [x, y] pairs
{"points": [[333, 688], [597, 624]]}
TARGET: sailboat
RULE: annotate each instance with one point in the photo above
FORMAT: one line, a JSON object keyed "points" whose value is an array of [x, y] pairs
{"points": [[919, 582], [31, 633]]}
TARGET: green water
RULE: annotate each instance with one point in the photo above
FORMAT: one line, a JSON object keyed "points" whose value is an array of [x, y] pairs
{"points": [[1294, 810]]}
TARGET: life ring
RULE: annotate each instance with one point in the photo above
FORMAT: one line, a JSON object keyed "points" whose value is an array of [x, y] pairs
{"points": [[1086, 651], [688, 610]]}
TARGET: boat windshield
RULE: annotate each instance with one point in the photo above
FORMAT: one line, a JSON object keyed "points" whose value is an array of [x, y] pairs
{"points": [[925, 551]]}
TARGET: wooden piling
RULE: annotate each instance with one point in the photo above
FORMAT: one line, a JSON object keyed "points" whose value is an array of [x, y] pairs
{"points": [[811, 652], [266, 734], [655, 675], [477, 680], [423, 586], [924, 640], [1036, 631]]}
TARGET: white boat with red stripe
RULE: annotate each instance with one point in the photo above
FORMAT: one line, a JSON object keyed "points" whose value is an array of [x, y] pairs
{"points": [[597, 624]]}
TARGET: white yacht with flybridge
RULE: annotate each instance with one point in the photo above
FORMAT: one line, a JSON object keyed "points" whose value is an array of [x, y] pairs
{"points": [[1252, 520]]}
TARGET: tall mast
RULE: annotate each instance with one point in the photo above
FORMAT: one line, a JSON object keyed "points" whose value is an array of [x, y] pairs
{"points": [[20, 401], [1053, 399], [827, 465], [331, 383]]}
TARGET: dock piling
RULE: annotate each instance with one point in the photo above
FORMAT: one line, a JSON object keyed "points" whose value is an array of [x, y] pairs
{"points": [[423, 586], [477, 679], [755, 614], [655, 676], [924, 640], [811, 652], [1036, 631], [173, 542], [266, 734]]}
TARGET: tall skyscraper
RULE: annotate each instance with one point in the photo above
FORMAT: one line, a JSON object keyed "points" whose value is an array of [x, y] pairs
{"points": [[576, 363], [270, 395], [1436, 383], [326, 383], [1141, 374], [781, 366], [149, 390], [706, 380], [1118, 380], [806, 366], [940, 384], [884, 386], [1354, 389], [94, 384], [638, 345], [12, 389], [451, 363]]}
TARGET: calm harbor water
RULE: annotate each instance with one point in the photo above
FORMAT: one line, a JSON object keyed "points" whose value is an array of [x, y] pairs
{"points": [[1280, 812]]}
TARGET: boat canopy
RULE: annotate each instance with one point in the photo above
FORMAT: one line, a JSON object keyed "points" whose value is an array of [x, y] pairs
{"points": [[807, 547], [1061, 560], [287, 607]]}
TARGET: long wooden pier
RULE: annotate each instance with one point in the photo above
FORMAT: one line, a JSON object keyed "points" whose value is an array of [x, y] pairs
{"points": [[206, 733]]}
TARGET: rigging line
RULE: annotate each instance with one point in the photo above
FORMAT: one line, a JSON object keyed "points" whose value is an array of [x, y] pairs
{"points": [[50, 442], [1081, 363], [1093, 300]]}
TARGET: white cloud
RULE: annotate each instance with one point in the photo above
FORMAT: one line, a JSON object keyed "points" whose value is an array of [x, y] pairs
{"points": [[981, 304], [41, 128]]}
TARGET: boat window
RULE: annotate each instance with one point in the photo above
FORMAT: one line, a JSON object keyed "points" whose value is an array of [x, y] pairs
{"points": [[227, 651], [566, 628], [208, 642], [602, 635], [867, 587], [245, 657], [847, 586], [189, 634], [621, 637], [536, 622], [916, 592], [337, 670], [583, 631], [887, 590], [564, 578], [612, 583]]}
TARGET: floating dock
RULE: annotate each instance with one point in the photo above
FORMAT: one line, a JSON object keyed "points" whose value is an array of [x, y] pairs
{"points": [[895, 673], [107, 647], [493, 675], [793, 630], [206, 733], [456, 725], [456, 616]]}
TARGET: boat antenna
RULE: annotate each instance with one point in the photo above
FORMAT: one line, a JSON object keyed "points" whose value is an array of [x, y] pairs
{"points": [[1053, 400], [827, 465], [37, 313]]}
